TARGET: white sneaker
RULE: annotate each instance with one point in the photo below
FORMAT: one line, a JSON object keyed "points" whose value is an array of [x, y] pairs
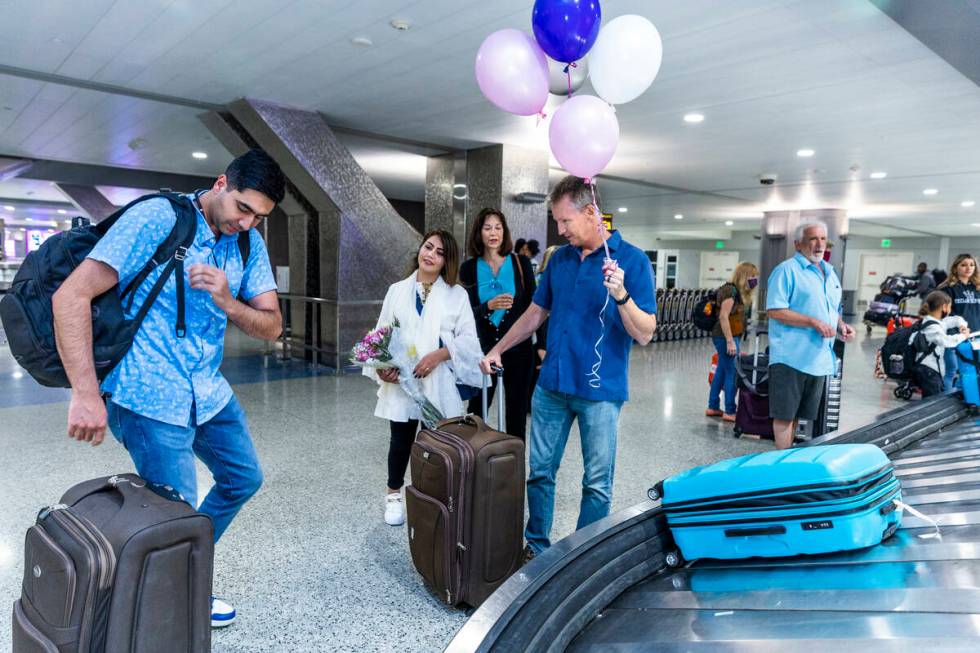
{"points": [[394, 509], [222, 614]]}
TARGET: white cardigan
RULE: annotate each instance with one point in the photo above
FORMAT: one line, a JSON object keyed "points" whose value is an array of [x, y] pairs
{"points": [[934, 332], [446, 315]]}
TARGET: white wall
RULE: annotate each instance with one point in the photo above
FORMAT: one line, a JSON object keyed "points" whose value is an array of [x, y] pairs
{"points": [[689, 251]]}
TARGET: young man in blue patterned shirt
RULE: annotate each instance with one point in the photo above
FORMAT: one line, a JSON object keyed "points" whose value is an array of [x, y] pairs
{"points": [[167, 400]]}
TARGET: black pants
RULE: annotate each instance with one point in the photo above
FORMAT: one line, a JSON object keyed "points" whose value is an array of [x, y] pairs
{"points": [[518, 364], [929, 381], [400, 451]]}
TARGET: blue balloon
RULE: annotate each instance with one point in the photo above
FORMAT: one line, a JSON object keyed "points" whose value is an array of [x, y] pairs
{"points": [[566, 29]]}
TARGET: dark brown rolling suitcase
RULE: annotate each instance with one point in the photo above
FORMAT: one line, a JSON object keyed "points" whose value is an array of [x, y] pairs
{"points": [[116, 568], [466, 506]]}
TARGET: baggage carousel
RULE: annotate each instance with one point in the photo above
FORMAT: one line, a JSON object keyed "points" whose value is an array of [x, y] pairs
{"points": [[611, 587]]}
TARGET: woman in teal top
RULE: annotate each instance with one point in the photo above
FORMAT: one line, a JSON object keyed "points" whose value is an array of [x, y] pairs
{"points": [[500, 284]]}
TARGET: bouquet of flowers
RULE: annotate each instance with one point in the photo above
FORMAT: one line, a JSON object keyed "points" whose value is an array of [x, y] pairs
{"points": [[385, 348]]}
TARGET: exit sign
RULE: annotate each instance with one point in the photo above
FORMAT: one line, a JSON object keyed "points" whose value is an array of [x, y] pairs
{"points": [[886, 243], [719, 244]]}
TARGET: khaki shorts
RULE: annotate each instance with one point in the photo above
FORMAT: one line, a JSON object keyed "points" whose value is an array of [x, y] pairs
{"points": [[794, 394]]}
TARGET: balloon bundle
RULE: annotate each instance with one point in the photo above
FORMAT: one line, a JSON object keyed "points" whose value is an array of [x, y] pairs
{"points": [[516, 72]]}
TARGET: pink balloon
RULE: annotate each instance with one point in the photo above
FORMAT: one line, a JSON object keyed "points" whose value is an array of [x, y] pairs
{"points": [[584, 134], [512, 72]]}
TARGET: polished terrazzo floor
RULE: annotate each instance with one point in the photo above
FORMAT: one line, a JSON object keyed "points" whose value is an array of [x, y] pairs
{"points": [[309, 563]]}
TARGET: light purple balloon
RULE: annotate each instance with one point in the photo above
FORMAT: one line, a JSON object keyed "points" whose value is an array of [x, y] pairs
{"points": [[512, 72], [584, 134]]}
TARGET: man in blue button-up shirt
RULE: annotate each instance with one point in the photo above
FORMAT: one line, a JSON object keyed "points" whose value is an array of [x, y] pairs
{"points": [[803, 304], [168, 402], [597, 309]]}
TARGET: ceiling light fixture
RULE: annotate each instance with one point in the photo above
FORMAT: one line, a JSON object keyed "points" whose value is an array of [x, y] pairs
{"points": [[694, 118], [930, 191], [623, 209], [729, 223], [879, 175], [967, 204], [199, 155], [8, 207], [401, 24], [362, 41], [62, 212], [678, 216], [805, 152]]}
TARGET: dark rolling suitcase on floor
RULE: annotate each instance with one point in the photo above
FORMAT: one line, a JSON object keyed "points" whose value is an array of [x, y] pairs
{"points": [[465, 506], [116, 568], [752, 378], [783, 503]]}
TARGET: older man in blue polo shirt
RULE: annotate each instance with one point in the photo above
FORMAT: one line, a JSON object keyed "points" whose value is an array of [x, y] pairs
{"points": [[597, 309], [803, 304]]}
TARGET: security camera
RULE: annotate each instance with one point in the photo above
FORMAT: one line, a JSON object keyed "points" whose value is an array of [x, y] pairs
{"points": [[768, 178]]}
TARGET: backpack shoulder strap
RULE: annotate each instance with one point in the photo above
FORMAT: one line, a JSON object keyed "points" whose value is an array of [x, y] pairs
{"points": [[245, 246], [173, 251]]}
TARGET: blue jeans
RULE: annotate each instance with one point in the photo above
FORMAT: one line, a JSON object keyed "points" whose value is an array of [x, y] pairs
{"points": [[952, 367], [552, 414], [164, 453], [724, 377]]}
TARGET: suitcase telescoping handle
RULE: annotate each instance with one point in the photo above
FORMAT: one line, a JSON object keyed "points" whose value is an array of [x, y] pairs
{"points": [[499, 372]]}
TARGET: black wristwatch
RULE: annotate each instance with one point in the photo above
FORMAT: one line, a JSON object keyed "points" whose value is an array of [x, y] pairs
{"points": [[620, 302]]}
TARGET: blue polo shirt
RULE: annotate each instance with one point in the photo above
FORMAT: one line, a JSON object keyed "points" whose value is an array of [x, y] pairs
{"points": [[797, 284], [162, 376], [573, 291]]}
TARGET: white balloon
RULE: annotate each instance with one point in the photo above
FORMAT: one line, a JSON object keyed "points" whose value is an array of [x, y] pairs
{"points": [[625, 58], [558, 78]]}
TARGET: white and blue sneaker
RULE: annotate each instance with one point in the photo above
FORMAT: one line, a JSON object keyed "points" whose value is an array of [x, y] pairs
{"points": [[222, 614]]}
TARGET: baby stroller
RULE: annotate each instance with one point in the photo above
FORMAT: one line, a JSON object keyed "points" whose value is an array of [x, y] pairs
{"points": [[896, 360], [890, 302]]}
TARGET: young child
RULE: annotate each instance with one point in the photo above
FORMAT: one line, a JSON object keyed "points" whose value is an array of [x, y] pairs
{"points": [[937, 321]]}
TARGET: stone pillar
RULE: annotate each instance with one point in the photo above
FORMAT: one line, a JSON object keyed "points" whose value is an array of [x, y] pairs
{"points": [[445, 194], [87, 199], [497, 175], [778, 229], [347, 244]]}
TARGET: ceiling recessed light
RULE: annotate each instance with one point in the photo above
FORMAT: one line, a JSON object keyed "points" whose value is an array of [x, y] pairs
{"points": [[930, 191], [967, 204], [362, 41], [694, 117], [678, 216], [401, 24], [729, 223], [8, 207], [879, 175], [199, 155], [623, 209], [805, 152], [62, 212]]}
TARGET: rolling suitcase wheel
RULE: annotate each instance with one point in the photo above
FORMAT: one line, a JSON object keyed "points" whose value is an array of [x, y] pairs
{"points": [[674, 559], [736, 433]]}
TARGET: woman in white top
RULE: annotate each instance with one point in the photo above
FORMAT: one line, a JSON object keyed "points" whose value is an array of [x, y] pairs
{"points": [[434, 315], [937, 319]]}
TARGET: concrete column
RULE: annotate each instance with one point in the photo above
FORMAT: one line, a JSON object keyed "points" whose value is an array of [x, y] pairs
{"points": [[943, 254], [497, 175], [778, 229], [88, 200], [439, 182], [347, 244]]}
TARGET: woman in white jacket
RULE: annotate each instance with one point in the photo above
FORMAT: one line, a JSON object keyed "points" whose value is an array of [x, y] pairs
{"points": [[937, 321], [435, 317]]}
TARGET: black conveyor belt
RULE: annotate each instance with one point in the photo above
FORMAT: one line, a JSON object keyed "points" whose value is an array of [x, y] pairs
{"points": [[607, 588]]}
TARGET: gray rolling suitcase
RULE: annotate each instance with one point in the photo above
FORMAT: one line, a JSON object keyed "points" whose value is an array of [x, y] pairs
{"points": [[116, 568]]}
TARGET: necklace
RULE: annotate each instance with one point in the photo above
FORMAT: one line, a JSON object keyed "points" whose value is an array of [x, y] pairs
{"points": [[426, 289]]}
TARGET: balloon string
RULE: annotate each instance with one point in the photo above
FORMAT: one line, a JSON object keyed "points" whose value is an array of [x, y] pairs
{"points": [[541, 116], [568, 72], [595, 380]]}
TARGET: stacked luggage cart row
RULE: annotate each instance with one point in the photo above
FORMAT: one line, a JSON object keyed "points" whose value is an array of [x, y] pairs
{"points": [[675, 307]]}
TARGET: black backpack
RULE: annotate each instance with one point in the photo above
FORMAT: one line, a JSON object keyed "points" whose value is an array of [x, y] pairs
{"points": [[904, 350], [26, 312], [706, 310]]}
